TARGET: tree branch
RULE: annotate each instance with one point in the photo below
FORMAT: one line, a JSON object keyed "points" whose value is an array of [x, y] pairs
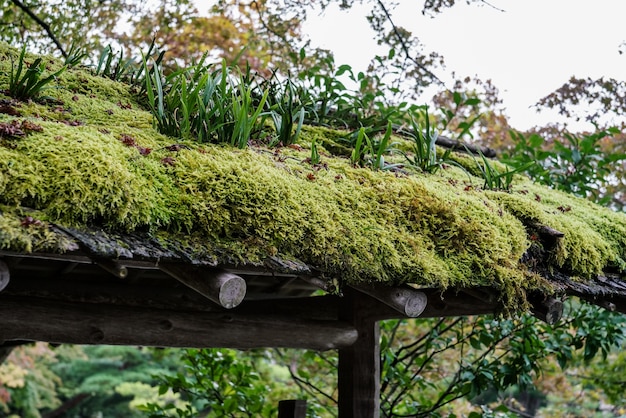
{"points": [[67, 405], [404, 46], [41, 23]]}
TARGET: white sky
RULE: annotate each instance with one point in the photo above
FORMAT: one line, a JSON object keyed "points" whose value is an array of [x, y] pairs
{"points": [[528, 50]]}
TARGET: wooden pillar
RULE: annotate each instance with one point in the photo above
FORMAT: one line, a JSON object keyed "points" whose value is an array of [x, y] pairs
{"points": [[359, 364], [292, 409]]}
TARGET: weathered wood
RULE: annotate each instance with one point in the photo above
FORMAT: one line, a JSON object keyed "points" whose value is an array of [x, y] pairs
{"points": [[359, 364], [465, 147], [116, 269], [548, 231], [549, 310], [224, 288], [619, 305], [61, 322], [404, 299], [609, 306], [5, 275], [484, 295], [294, 408], [128, 293]]}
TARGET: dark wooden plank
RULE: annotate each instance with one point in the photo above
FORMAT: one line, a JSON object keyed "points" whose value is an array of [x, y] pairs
{"points": [[83, 323], [359, 364], [126, 293]]}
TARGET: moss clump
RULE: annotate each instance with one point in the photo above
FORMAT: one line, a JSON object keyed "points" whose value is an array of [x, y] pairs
{"points": [[113, 170], [22, 231]]}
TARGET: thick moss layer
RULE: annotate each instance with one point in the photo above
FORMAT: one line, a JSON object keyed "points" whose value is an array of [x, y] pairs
{"points": [[89, 165]]}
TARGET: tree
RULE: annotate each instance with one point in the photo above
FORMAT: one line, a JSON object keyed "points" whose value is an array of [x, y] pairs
{"points": [[57, 25], [39, 380]]}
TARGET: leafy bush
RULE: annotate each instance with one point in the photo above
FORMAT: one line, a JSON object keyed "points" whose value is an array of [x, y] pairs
{"points": [[216, 383], [577, 165]]}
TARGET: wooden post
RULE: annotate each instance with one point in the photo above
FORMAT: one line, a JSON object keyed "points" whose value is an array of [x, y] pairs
{"points": [[359, 364], [5, 275], [292, 409]]}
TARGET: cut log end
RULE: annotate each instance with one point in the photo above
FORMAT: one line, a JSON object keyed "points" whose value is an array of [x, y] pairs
{"points": [[231, 291], [549, 310], [115, 268], [405, 300], [224, 288], [5, 276], [415, 304]]}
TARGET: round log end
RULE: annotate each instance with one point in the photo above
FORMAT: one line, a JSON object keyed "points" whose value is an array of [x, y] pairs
{"points": [[550, 310], [415, 304], [555, 312], [5, 276], [232, 290]]}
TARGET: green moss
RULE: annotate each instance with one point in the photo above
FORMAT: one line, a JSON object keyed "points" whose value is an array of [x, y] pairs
{"points": [[17, 234], [241, 206]]}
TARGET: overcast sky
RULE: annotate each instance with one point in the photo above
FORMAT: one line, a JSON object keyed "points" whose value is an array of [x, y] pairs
{"points": [[528, 50]]}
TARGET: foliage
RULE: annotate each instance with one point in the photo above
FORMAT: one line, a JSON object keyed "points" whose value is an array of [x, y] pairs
{"points": [[600, 101], [454, 358], [215, 383], [577, 165], [27, 383], [285, 109], [204, 102], [83, 24], [99, 375], [472, 111], [497, 178], [28, 84], [424, 156], [371, 152], [114, 67]]}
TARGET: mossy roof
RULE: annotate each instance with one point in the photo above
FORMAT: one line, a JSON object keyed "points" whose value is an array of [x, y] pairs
{"points": [[87, 168]]}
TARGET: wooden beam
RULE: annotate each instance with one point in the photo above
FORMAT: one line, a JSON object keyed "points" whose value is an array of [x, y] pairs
{"points": [[407, 301], [117, 292], [359, 364], [82, 323], [224, 288], [5, 275]]}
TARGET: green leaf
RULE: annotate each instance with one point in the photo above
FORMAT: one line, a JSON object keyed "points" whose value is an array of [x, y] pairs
{"points": [[472, 101]]}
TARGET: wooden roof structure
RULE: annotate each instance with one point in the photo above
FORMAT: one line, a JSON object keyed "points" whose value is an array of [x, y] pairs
{"points": [[101, 243]]}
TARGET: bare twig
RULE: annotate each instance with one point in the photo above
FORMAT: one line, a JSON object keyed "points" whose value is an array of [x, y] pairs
{"points": [[492, 6], [404, 46]]}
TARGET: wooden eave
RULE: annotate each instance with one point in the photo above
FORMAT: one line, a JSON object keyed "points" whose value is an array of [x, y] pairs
{"points": [[119, 289]]}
